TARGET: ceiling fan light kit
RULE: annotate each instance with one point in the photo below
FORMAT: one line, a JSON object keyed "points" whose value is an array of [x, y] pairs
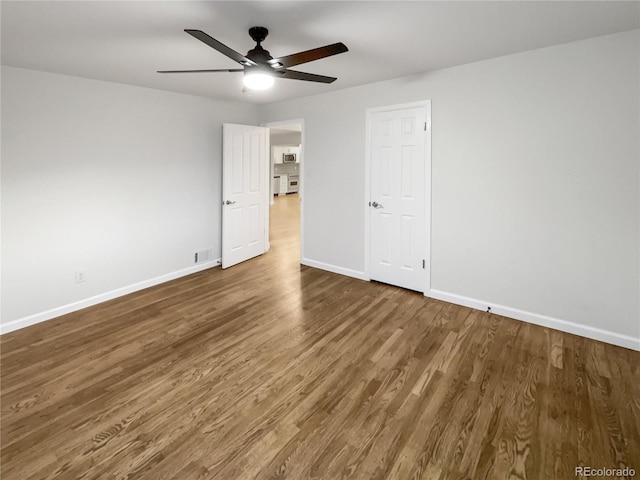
{"points": [[258, 80], [259, 67]]}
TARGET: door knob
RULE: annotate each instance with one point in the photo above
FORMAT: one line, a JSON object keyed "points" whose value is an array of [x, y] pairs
{"points": [[375, 205], [229, 202]]}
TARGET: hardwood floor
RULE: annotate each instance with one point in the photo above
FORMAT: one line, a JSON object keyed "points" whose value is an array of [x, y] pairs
{"points": [[273, 370]]}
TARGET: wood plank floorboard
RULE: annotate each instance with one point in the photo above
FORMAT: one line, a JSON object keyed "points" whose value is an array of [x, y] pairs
{"points": [[272, 370]]}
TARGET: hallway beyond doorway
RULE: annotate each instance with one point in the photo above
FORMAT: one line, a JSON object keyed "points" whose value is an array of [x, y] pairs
{"points": [[284, 227]]}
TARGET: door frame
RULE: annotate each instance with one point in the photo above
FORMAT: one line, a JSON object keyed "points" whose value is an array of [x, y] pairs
{"points": [[427, 182], [301, 182]]}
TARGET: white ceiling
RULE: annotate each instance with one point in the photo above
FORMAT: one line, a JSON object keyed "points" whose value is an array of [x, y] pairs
{"points": [[127, 41]]}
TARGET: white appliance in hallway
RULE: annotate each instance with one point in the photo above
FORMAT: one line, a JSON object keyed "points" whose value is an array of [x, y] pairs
{"points": [[293, 183], [284, 184]]}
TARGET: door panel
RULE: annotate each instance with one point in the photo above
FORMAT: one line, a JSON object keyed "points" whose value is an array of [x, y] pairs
{"points": [[245, 193], [254, 163], [254, 225], [407, 237], [385, 239], [398, 243], [384, 155], [406, 172], [237, 168], [234, 230]]}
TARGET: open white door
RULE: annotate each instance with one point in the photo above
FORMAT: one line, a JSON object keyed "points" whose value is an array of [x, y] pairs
{"points": [[399, 195], [245, 192]]}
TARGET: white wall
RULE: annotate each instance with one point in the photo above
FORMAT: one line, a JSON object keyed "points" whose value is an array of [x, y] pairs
{"points": [[121, 182], [536, 200], [536, 203]]}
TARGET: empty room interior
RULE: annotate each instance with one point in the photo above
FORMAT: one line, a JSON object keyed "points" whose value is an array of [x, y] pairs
{"points": [[313, 239]]}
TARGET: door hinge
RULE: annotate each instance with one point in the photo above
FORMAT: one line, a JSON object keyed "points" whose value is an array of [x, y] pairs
{"points": [[424, 263]]}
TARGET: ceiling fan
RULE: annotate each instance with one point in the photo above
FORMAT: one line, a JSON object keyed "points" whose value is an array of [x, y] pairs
{"points": [[259, 67]]}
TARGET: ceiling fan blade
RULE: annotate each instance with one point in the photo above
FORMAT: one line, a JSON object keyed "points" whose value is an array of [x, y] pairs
{"points": [[309, 77], [222, 48], [202, 71], [308, 55]]}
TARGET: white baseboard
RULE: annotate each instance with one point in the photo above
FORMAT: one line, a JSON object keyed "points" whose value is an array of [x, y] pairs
{"points": [[334, 269], [542, 320], [103, 297], [534, 318]]}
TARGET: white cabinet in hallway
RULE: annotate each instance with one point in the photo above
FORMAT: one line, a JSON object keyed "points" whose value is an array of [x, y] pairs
{"points": [[277, 151]]}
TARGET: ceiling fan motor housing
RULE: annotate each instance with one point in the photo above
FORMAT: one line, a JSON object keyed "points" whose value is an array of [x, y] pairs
{"points": [[259, 55], [258, 34]]}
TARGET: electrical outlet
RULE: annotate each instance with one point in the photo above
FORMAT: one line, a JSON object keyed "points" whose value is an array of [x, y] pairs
{"points": [[79, 277]]}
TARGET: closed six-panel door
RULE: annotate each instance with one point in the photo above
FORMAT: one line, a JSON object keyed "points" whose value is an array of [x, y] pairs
{"points": [[397, 208]]}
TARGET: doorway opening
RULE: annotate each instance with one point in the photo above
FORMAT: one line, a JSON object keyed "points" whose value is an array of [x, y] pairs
{"points": [[286, 158]]}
